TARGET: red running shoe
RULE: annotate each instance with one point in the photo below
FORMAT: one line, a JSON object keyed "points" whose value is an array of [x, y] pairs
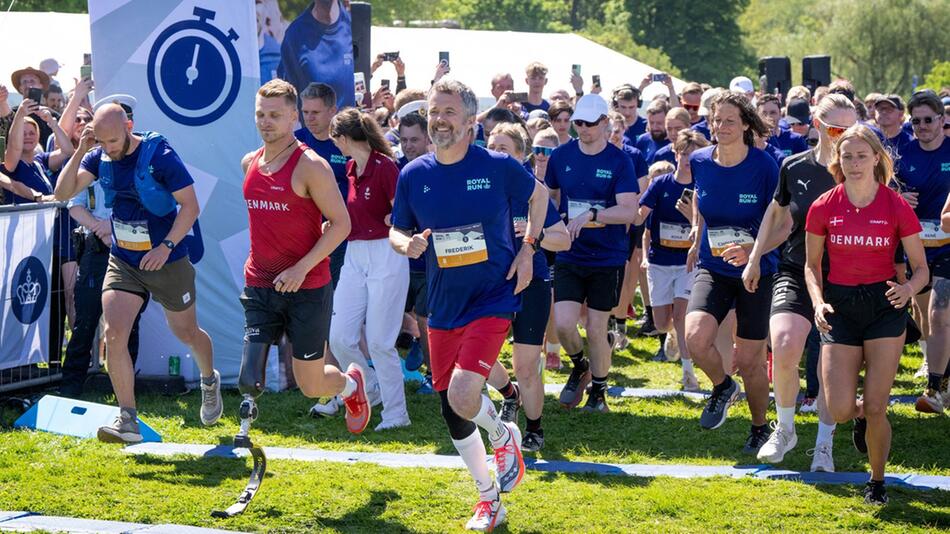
{"points": [[358, 408]]}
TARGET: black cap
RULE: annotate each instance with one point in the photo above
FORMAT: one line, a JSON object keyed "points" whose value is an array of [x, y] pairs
{"points": [[927, 98], [798, 111], [894, 100]]}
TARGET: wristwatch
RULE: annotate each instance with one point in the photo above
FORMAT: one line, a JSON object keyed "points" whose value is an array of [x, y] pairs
{"points": [[593, 215], [533, 241], [169, 243]]}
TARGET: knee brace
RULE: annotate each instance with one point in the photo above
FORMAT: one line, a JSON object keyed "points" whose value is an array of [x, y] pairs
{"points": [[458, 428], [253, 365]]}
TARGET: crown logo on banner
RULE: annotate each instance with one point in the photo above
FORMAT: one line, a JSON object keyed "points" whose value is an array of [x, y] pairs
{"points": [[29, 291]]}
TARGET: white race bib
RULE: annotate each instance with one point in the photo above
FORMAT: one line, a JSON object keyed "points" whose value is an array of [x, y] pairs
{"points": [[132, 235], [724, 237], [576, 208], [462, 245], [932, 235], [674, 235]]}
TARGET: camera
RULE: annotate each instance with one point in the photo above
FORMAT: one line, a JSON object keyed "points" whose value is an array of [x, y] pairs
{"points": [[390, 56]]}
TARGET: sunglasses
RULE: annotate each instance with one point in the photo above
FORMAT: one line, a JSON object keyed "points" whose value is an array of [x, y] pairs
{"points": [[833, 131], [926, 120], [691, 107], [578, 123], [542, 150]]}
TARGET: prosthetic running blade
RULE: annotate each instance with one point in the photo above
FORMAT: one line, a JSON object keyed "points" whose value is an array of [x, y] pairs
{"points": [[253, 484]]}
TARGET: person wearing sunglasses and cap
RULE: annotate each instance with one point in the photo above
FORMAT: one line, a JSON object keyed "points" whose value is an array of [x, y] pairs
{"points": [[595, 184], [691, 99], [802, 179], [923, 177], [889, 113]]}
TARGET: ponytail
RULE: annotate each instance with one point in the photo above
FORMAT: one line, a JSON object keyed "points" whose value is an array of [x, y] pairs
{"points": [[351, 123]]}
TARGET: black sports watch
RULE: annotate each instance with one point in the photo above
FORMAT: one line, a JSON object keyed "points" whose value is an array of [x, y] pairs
{"points": [[593, 215], [169, 243]]}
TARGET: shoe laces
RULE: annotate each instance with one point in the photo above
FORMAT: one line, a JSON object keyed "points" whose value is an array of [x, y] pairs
{"points": [[820, 448], [483, 509], [208, 392], [508, 408], [716, 400], [502, 453]]}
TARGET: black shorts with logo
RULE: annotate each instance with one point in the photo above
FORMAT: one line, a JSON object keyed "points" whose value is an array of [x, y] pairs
{"points": [[716, 294], [790, 295], [862, 313], [304, 315], [599, 287]]}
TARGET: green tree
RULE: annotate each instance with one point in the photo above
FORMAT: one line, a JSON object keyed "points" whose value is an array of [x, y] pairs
{"points": [[515, 15], [611, 30], [57, 6], [938, 78]]}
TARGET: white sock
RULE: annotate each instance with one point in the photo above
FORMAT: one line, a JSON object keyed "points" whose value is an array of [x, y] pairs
{"points": [[923, 348], [489, 419], [826, 433], [688, 367], [472, 451], [349, 387], [553, 347], [786, 417]]}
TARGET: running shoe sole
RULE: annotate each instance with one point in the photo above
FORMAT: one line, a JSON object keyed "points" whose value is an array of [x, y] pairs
{"points": [[925, 404], [110, 435]]}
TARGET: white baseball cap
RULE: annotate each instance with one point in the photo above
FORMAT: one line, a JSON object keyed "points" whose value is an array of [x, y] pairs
{"points": [[49, 66], [705, 106], [590, 108], [742, 85]]}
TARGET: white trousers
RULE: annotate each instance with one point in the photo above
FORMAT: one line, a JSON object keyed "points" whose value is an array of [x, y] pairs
{"points": [[372, 290]]}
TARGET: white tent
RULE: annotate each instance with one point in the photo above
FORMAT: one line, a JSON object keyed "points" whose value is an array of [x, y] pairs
{"points": [[33, 37]]}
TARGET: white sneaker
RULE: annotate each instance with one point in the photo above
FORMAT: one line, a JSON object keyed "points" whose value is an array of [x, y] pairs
{"points": [[488, 515], [326, 409], [923, 371], [670, 347], [809, 405], [780, 442], [690, 383], [398, 423], [821, 458], [211, 404]]}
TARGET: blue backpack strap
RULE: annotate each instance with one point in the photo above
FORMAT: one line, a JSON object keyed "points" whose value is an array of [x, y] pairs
{"points": [[105, 180], [154, 196]]}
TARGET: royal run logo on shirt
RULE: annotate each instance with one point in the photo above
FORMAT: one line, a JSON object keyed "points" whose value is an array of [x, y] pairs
{"points": [[337, 159], [748, 198], [606, 174], [477, 184], [944, 167]]}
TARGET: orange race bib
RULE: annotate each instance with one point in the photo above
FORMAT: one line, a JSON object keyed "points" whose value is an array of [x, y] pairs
{"points": [[460, 246]]}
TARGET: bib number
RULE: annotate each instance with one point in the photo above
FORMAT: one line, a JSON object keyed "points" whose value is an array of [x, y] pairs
{"points": [[932, 235], [674, 235], [726, 236], [132, 235], [460, 246], [575, 208]]}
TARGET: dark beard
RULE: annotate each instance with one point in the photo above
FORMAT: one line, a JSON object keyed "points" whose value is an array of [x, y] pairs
{"points": [[657, 137]]}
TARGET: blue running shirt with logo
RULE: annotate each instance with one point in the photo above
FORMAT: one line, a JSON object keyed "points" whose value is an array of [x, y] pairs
{"points": [[668, 227], [927, 173]]}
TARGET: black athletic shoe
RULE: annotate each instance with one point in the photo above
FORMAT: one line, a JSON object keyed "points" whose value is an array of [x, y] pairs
{"points": [[648, 328], [875, 493], [573, 391], [858, 435], [509, 407], [596, 403], [532, 442], [717, 407], [757, 438], [660, 356]]}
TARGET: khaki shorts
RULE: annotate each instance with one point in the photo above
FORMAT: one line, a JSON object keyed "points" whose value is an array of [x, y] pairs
{"points": [[172, 286]]}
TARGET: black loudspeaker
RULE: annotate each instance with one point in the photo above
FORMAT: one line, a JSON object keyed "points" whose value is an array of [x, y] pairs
{"points": [[361, 15], [816, 71], [777, 73]]}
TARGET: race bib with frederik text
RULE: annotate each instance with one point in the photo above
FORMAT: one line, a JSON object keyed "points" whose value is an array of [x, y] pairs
{"points": [[460, 246]]}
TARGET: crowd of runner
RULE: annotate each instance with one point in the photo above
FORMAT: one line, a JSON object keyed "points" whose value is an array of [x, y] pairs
{"points": [[752, 228]]}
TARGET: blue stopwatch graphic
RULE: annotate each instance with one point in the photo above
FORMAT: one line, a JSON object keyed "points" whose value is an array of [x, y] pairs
{"points": [[194, 72]]}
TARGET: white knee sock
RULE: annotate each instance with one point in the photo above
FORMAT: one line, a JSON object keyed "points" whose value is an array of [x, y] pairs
{"points": [[348, 387], [825, 433], [688, 366], [489, 419], [786, 417], [472, 451]]}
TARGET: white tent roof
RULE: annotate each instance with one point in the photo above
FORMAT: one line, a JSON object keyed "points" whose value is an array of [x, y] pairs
{"points": [[33, 37], [476, 56]]}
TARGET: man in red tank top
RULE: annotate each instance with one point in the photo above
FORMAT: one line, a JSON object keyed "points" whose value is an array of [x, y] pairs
{"points": [[289, 189]]}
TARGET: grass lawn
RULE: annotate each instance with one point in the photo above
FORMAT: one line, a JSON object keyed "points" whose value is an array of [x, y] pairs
{"points": [[58, 475]]}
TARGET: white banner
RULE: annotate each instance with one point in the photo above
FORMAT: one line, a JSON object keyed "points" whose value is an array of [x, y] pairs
{"points": [[25, 258]]}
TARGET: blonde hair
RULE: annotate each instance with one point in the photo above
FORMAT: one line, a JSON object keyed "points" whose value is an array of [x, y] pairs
{"points": [[832, 102], [679, 114], [799, 91], [515, 132], [277, 88], [689, 138], [536, 67], [883, 170], [547, 134], [32, 122], [658, 169]]}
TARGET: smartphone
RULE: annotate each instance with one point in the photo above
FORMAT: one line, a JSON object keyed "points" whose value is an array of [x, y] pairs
{"points": [[576, 69], [359, 83], [384, 83], [85, 71], [390, 56], [35, 94], [444, 58], [687, 195], [519, 97], [87, 59], [596, 78], [659, 77]]}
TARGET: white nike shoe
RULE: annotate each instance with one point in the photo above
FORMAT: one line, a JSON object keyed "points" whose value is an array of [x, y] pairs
{"points": [[326, 409], [779, 443], [822, 459], [398, 423]]}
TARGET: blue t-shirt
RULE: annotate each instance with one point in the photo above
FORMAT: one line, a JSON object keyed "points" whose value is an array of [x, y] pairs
{"points": [[38, 176], [634, 131], [528, 107], [732, 201], [665, 222], [128, 213], [926, 173], [315, 52], [789, 142], [897, 143], [640, 167], [777, 154], [703, 128], [519, 212], [648, 146], [468, 208], [328, 151], [592, 181], [665, 153], [269, 56]]}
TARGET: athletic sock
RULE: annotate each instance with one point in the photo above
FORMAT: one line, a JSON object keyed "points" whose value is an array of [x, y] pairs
{"points": [[786, 417], [472, 451], [509, 391], [598, 385], [662, 338], [826, 433], [579, 361], [553, 347], [534, 425], [726, 384], [488, 419], [923, 348], [760, 428], [622, 325], [208, 380], [933, 381], [648, 312], [349, 387], [133, 413], [688, 366]]}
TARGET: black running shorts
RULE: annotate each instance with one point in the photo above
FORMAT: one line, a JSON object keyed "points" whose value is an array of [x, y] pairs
{"points": [[418, 294], [303, 315], [861, 313], [790, 295], [716, 294], [530, 323], [599, 287]]}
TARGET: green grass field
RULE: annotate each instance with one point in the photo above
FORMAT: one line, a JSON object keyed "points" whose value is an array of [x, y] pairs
{"points": [[58, 475]]}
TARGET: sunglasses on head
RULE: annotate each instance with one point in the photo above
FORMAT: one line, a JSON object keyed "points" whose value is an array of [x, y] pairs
{"points": [[926, 120], [691, 107], [585, 124], [542, 150], [833, 131]]}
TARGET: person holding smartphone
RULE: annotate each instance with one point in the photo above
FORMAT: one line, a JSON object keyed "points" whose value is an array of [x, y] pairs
{"points": [[667, 207]]}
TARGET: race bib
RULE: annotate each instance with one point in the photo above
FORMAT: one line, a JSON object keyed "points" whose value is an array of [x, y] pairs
{"points": [[724, 237], [674, 235], [132, 235], [932, 235], [459, 246], [578, 207]]}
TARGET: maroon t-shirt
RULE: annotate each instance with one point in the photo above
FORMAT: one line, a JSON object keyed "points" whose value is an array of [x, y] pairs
{"points": [[370, 196], [860, 242]]}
